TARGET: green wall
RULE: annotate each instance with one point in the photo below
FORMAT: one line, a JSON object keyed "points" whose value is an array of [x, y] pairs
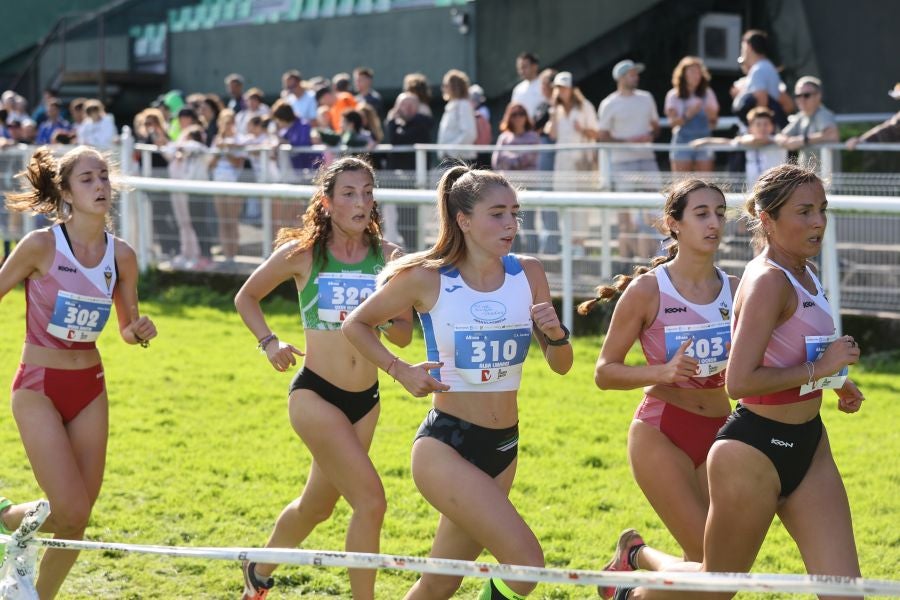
{"points": [[26, 21]]}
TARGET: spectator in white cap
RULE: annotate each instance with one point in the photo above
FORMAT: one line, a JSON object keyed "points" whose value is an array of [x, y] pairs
{"points": [[813, 124], [629, 115], [885, 133]]}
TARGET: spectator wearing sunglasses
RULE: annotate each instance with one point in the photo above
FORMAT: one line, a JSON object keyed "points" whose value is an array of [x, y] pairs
{"points": [[813, 124]]}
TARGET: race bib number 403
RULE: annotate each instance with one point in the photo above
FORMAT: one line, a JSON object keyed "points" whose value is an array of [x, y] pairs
{"points": [[490, 353], [710, 346], [340, 293], [78, 318], [815, 347]]}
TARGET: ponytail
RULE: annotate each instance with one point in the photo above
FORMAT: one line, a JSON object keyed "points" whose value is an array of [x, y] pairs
{"points": [[459, 189], [42, 194]]}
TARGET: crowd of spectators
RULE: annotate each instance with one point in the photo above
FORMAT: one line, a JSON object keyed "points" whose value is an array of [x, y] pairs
{"points": [[208, 136]]}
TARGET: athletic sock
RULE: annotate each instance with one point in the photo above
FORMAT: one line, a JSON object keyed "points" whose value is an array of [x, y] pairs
{"points": [[496, 589], [633, 555]]}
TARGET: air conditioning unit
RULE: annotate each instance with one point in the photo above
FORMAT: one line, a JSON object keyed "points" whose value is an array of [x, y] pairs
{"points": [[719, 40]]}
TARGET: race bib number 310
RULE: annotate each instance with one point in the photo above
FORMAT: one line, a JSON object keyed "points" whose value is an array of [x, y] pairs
{"points": [[340, 293], [710, 346], [815, 347], [78, 318], [490, 353]]}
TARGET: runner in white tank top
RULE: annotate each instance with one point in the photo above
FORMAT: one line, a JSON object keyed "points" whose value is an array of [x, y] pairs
{"points": [[479, 307]]}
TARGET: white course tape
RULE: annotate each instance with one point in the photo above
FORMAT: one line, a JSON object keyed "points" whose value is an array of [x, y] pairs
{"points": [[757, 582]]}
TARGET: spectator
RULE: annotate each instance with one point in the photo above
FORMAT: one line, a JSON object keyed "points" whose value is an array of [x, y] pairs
{"points": [[352, 133], [172, 102], [76, 112], [4, 130], [417, 84], [484, 135], [572, 121], [814, 124], [253, 107], [406, 125], [18, 110], [40, 113], [545, 159], [763, 84], [301, 98], [457, 124], [226, 165], [371, 121], [693, 110], [528, 91], [53, 123], [343, 99], [234, 84], [187, 160], [209, 110], [517, 129], [762, 153], [629, 115], [29, 131], [887, 132], [362, 81], [294, 131], [8, 99], [99, 128]]}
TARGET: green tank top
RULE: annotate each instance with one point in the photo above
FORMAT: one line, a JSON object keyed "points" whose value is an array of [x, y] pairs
{"points": [[333, 291]]}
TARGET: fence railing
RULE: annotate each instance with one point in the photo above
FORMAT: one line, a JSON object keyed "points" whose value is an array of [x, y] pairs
{"points": [[579, 234]]}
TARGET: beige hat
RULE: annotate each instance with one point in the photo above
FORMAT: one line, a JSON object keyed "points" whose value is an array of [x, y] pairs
{"points": [[895, 93]]}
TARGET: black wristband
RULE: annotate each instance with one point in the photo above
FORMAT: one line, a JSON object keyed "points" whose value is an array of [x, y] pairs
{"points": [[561, 341]]}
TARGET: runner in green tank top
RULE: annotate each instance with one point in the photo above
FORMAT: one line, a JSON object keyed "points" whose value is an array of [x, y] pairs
{"points": [[334, 401]]}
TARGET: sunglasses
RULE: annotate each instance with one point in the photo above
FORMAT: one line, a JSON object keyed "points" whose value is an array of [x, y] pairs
{"points": [[805, 95]]}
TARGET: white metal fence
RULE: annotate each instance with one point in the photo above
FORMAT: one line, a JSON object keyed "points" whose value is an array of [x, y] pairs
{"points": [[597, 227]]}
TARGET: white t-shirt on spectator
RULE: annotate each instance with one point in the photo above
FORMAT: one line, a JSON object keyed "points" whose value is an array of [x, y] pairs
{"points": [[759, 160], [529, 94], [763, 76], [627, 116], [99, 134]]}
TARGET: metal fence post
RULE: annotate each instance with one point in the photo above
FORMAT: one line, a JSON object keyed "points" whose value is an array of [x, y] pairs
{"points": [[567, 282], [421, 168], [606, 215], [831, 276], [267, 227], [126, 198]]}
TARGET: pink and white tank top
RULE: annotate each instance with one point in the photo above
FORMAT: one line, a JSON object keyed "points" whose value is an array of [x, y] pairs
{"points": [[68, 307], [807, 331], [678, 319]]}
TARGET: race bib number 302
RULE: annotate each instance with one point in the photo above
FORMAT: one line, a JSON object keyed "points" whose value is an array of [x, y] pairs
{"points": [[340, 293], [489, 353], [78, 318], [815, 347], [710, 345]]}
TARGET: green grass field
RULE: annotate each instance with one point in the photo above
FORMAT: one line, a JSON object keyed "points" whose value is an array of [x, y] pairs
{"points": [[201, 453]]}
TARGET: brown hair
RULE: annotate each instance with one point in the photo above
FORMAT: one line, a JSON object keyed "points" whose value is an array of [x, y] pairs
{"points": [[47, 178], [456, 84], [772, 190], [679, 79], [282, 111], [577, 99], [763, 112], [459, 189], [316, 228], [507, 117], [372, 122], [417, 84], [676, 201]]}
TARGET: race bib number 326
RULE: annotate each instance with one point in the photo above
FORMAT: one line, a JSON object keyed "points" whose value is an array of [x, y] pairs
{"points": [[490, 353], [340, 293], [710, 345], [78, 318]]}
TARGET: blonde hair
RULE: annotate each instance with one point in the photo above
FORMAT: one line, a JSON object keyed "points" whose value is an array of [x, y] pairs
{"points": [[316, 228], [460, 188], [675, 205], [772, 190], [47, 179]]}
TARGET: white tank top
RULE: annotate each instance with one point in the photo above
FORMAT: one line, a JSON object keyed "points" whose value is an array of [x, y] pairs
{"points": [[481, 337]]}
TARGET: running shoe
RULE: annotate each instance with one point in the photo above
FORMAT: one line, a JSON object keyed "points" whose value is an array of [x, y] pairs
{"points": [[254, 587], [627, 540]]}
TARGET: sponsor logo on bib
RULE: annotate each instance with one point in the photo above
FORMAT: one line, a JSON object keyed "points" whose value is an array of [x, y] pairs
{"points": [[675, 309], [66, 269], [808, 303], [488, 311]]}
